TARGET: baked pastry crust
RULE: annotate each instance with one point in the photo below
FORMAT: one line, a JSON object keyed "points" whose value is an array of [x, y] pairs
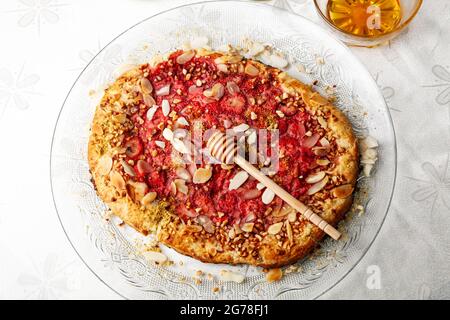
{"points": [[132, 201]]}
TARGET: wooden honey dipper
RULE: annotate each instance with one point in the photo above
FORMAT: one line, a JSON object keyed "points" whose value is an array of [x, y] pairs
{"points": [[224, 149]]}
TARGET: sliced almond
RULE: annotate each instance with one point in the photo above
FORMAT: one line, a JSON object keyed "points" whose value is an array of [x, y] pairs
{"points": [[284, 211], [182, 121], [185, 57], [343, 191], [180, 146], [275, 228], [311, 141], [323, 162], [146, 86], [260, 186], [160, 144], [163, 91], [194, 228], [167, 134], [251, 70], [241, 127], [151, 112], [127, 168], [140, 189], [292, 216], [267, 196], [250, 217], [206, 223], [253, 116], [280, 113], [165, 106], [278, 62], [117, 180], [228, 59], [247, 227], [232, 87], [222, 67], [226, 275], [173, 188], [274, 275], [320, 151], [231, 233], [324, 142], [289, 231], [148, 198], [216, 92], [322, 122], [155, 256], [318, 186], [148, 100], [104, 165], [202, 175], [181, 185], [238, 180], [183, 174], [315, 177]]}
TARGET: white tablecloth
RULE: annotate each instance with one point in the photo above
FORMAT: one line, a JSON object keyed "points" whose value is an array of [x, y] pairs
{"points": [[45, 45]]}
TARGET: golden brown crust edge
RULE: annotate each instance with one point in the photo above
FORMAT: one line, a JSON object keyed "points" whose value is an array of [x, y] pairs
{"points": [[205, 247]]}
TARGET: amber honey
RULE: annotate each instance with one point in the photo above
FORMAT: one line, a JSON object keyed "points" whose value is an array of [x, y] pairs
{"points": [[366, 18]]}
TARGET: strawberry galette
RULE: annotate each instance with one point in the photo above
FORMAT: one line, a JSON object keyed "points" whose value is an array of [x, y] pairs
{"points": [[145, 164]]}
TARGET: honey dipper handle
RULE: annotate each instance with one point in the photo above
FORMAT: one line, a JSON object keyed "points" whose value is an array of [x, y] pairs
{"points": [[288, 198]]}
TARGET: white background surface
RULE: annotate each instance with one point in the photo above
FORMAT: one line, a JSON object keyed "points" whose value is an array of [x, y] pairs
{"points": [[45, 45]]}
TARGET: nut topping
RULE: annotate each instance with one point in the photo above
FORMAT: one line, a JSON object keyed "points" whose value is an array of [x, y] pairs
{"points": [[127, 168], [148, 100], [155, 256], [117, 180], [247, 227], [151, 112], [165, 106], [318, 186], [104, 165], [343, 191], [274, 275], [315, 177], [251, 70], [202, 175], [163, 91], [268, 196], [148, 198], [207, 224], [238, 180], [185, 57], [275, 228], [146, 86], [183, 174], [181, 186], [232, 87]]}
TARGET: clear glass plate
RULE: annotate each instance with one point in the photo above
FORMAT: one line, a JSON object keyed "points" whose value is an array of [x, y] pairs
{"points": [[113, 253]]}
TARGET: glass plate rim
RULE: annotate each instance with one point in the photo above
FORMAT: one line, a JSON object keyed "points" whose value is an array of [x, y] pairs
{"points": [[338, 42]]}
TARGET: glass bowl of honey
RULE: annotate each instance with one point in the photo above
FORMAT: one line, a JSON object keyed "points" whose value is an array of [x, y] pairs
{"points": [[367, 23]]}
